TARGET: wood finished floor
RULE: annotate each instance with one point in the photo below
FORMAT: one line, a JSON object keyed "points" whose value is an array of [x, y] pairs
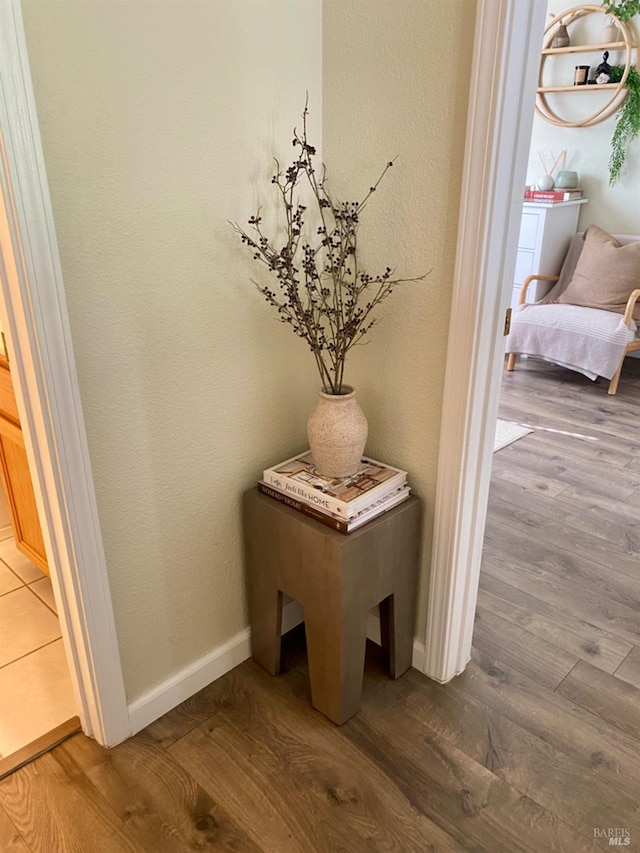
{"points": [[533, 747]]}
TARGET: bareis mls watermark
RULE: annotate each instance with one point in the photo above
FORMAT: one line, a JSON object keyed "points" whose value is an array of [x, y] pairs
{"points": [[613, 836]]}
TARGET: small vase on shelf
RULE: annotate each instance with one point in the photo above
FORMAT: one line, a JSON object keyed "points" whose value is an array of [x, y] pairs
{"points": [[561, 38], [610, 32], [567, 180]]}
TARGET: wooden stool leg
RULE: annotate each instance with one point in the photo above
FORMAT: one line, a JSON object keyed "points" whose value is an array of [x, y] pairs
{"points": [[396, 630], [398, 611], [266, 630], [511, 361], [263, 596], [335, 647]]}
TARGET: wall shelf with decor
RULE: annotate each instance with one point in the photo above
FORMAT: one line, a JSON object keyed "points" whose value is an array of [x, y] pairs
{"points": [[602, 87], [616, 92], [585, 48]]}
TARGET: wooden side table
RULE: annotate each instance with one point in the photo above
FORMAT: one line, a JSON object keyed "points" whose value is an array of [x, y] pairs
{"points": [[337, 579]]}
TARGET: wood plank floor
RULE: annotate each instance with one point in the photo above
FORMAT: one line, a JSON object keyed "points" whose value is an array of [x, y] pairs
{"points": [[531, 749]]}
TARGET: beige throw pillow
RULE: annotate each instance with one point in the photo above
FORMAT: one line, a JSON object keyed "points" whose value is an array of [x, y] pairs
{"points": [[568, 268], [606, 274]]}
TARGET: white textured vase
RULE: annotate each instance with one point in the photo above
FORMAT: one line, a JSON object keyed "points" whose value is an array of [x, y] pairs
{"points": [[337, 431]]}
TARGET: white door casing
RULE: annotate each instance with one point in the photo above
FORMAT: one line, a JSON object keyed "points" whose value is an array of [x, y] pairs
{"points": [[34, 314], [501, 108]]}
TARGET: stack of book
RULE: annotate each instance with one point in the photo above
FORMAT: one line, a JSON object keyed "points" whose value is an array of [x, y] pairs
{"points": [[344, 504], [552, 196]]}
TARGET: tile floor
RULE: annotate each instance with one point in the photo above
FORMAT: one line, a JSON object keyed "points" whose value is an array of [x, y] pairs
{"points": [[35, 689]]}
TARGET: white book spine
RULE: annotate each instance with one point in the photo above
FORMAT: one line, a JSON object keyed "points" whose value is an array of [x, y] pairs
{"points": [[332, 521], [325, 502], [366, 516], [309, 495]]}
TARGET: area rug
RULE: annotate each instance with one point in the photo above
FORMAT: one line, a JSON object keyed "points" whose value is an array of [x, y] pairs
{"points": [[507, 433]]}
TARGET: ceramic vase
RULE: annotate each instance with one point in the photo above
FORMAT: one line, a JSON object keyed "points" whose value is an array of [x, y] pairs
{"points": [[337, 432], [567, 180], [610, 32], [561, 38]]}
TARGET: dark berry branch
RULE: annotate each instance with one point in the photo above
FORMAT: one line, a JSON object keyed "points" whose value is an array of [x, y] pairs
{"points": [[319, 287]]}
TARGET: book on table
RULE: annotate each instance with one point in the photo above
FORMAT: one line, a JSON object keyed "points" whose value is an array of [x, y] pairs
{"points": [[344, 497], [553, 196], [343, 525]]}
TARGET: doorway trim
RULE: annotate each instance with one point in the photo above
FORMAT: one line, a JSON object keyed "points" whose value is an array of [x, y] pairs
{"points": [[33, 311], [508, 36]]}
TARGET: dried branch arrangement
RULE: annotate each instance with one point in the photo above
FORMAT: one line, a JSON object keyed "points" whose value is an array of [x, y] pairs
{"points": [[317, 283]]}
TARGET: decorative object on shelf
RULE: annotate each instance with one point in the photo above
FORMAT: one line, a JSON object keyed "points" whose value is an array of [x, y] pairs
{"points": [[321, 288], [337, 430], [546, 182], [603, 71], [628, 124], [610, 32], [567, 180], [581, 75], [561, 38], [626, 43]]}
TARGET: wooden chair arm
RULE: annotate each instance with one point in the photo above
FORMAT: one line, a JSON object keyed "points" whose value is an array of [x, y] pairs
{"points": [[631, 304], [525, 284]]}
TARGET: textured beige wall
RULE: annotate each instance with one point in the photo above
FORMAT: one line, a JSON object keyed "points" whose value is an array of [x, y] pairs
{"points": [[159, 120], [396, 78], [616, 209]]}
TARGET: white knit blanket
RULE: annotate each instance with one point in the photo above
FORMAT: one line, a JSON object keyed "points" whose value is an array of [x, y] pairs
{"points": [[587, 340]]}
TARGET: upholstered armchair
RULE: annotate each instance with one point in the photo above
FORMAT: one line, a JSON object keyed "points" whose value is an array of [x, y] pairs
{"points": [[589, 320]]}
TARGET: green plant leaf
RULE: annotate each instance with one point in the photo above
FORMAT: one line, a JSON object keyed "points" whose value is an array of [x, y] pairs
{"points": [[628, 120], [623, 10]]}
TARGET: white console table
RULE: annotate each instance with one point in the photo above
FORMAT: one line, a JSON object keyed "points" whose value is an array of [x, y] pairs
{"points": [[545, 233]]}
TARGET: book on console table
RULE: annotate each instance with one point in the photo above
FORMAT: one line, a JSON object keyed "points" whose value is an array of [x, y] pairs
{"points": [[345, 497], [552, 196], [329, 519]]}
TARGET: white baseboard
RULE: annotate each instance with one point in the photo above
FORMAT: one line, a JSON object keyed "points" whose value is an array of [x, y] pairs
{"points": [[162, 698]]}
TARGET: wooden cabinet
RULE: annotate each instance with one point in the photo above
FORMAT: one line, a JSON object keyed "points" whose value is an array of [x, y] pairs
{"points": [[16, 479], [545, 233]]}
